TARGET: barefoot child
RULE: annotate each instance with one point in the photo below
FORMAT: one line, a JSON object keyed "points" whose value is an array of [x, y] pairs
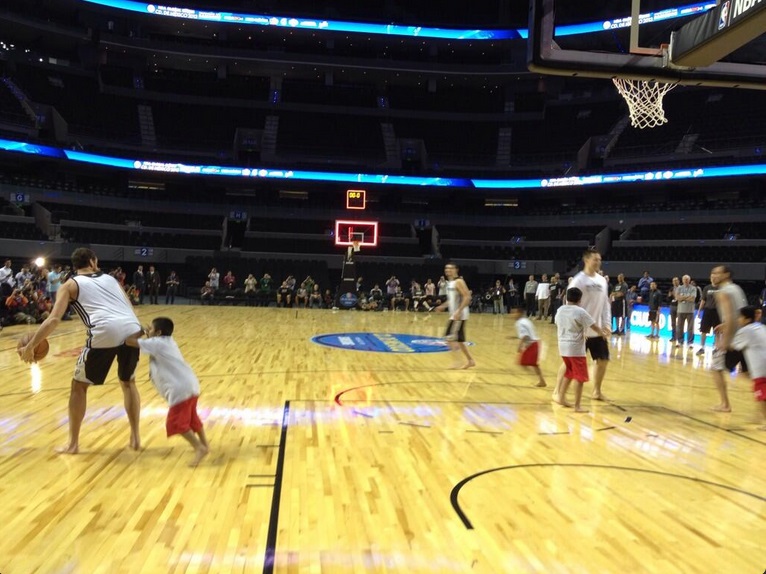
{"points": [[176, 382], [751, 340], [573, 321], [529, 344]]}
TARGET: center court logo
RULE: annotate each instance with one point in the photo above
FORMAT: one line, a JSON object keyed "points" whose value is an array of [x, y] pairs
{"points": [[383, 342]]}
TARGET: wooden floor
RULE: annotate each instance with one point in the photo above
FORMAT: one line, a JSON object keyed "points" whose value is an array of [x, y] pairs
{"points": [[415, 468]]}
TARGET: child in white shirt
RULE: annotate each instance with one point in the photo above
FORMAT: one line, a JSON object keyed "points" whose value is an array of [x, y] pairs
{"points": [[529, 344], [751, 340], [176, 382], [572, 322]]}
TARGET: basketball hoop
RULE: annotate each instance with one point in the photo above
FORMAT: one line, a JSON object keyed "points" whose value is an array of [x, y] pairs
{"points": [[644, 98]]}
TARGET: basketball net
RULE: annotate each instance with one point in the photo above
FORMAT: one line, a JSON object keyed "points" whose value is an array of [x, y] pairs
{"points": [[644, 98]]}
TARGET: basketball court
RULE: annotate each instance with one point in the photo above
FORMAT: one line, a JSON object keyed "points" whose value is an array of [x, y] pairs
{"points": [[378, 458], [335, 460]]}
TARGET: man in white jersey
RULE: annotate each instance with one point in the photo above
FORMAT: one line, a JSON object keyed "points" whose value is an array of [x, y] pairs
{"points": [[595, 300], [458, 300], [108, 315], [729, 299]]}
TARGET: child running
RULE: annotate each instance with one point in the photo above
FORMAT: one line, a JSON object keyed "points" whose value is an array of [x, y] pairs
{"points": [[176, 382], [529, 344]]}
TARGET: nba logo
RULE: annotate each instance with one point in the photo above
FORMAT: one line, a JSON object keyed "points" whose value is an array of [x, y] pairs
{"points": [[724, 19]]}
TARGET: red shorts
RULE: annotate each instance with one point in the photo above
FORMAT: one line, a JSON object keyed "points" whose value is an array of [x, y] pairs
{"points": [[528, 357], [577, 368], [759, 388], [183, 417]]}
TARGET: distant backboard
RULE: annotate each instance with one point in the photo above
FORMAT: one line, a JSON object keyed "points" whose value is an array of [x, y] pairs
{"points": [[636, 51], [365, 233]]}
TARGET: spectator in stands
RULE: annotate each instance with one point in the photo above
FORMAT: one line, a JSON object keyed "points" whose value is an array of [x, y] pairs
{"points": [[543, 296], [400, 300], [120, 275], [673, 303], [359, 285], [264, 290], [630, 301], [171, 288], [153, 282], [302, 296], [644, 286], [309, 282], [429, 288], [328, 299], [376, 294], [214, 277], [315, 298], [206, 294], [133, 295], [139, 282], [530, 289], [16, 304], [511, 295], [43, 308], [54, 282], [707, 307], [558, 292], [685, 294], [497, 297], [441, 288], [23, 276], [654, 301], [251, 289], [391, 286], [419, 297], [284, 295], [6, 279], [619, 307], [229, 281], [291, 282]]}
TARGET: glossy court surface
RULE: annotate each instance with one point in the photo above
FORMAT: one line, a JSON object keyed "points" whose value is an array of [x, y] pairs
{"points": [[331, 460]]}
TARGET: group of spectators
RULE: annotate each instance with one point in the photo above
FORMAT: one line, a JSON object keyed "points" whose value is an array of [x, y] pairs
{"points": [[27, 296]]}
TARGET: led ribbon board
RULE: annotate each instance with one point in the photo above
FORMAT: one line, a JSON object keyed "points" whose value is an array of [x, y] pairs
{"points": [[381, 179], [292, 22]]}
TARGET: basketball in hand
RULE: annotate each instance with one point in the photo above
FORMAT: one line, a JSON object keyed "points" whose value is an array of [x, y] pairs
{"points": [[40, 351]]}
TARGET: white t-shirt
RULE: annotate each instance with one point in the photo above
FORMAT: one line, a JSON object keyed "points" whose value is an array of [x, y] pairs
{"points": [[525, 328], [572, 322], [171, 374], [543, 291], [751, 340], [105, 310], [595, 299]]}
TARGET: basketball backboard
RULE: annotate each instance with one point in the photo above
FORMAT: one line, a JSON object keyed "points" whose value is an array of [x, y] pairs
{"points": [[642, 50], [363, 233]]}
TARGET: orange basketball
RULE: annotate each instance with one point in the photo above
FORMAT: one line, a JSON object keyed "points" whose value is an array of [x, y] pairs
{"points": [[40, 351]]}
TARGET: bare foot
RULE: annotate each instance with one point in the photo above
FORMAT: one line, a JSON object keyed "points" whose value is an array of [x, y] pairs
{"points": [[69, 449], [541, 384], [721, 408], [599, 397], [199, 454], [559, 401], [469, 365], [135, 442], [579, 409]]}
